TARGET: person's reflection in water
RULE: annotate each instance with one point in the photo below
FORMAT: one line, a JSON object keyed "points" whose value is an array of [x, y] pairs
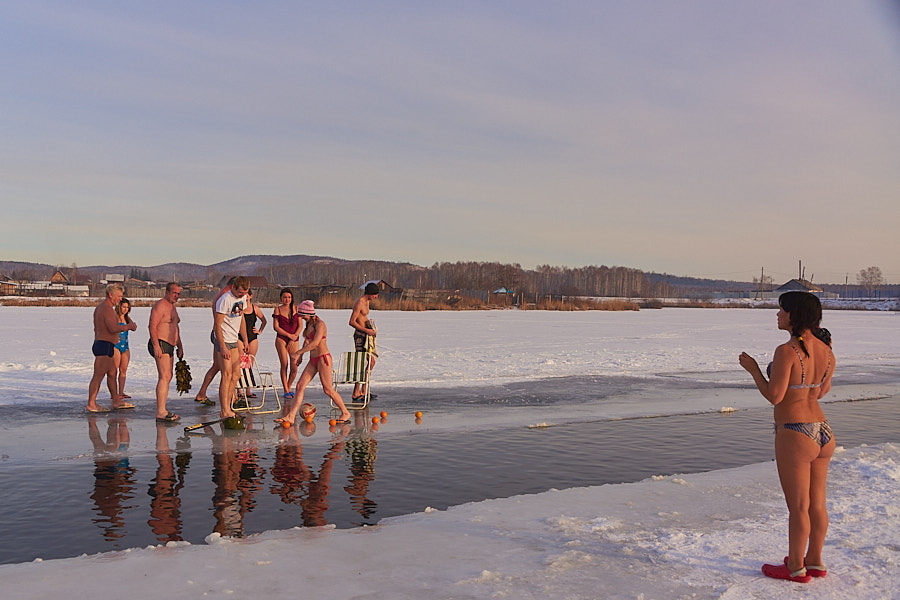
{"points": [[362, 449], [113, 476], [297, 484], [237, 477], [165, 505]]}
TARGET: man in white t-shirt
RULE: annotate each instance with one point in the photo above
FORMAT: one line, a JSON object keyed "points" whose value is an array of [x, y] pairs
{"points": [[228, 326]]}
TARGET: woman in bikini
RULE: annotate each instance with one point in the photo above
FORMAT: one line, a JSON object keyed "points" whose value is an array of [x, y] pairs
{"points": [[286, 322], [804, 443], [319, 362]]}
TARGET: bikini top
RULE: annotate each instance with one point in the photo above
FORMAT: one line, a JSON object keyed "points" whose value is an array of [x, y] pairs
{"points": [[313, 336], [803, 385]]}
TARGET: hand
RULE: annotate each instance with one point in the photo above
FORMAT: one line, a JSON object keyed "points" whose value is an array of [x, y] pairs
{"points": [[179, 352], [748, 362], [132, 326]]}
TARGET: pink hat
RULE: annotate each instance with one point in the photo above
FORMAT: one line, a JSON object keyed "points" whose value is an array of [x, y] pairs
{"points": [[307, 308]]}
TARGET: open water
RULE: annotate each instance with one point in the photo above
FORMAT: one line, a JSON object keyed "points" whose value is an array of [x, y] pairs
{"points": [[131, 483]]}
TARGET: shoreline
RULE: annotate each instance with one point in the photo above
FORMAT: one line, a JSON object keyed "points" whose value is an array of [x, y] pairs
{"points": [[599, 304]]}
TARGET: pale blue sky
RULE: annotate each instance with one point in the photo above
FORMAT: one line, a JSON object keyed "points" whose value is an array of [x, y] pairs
{"points": [[696, 138]]}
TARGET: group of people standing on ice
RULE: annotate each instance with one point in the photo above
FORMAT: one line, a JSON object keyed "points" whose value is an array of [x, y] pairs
{"points": [[237, 323]]}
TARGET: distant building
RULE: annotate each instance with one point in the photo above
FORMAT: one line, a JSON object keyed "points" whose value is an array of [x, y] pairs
{"points": [[69, 277], [8, 286], [383, 286], [800, 285]]}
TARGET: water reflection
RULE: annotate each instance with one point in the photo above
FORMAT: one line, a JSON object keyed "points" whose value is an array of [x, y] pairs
{"points": [[237, 477], [165, 503], [296, 482], [305, 477], [114, 482], [362, 448]]}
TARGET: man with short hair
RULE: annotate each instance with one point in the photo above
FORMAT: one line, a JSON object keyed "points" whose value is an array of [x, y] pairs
{"points": [[359, 321], [165, 338], [106, 334], [229, 327]]}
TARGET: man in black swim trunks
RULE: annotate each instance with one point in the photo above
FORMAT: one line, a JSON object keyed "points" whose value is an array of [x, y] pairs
{"points": [[106, 334], [164, 344]]}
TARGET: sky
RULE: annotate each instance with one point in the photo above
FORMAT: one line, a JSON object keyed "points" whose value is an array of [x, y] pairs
{"points": [[699, 138]]}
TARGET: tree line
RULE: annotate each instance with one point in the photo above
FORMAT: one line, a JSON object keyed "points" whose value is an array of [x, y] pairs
{"points": [[545, 280]]}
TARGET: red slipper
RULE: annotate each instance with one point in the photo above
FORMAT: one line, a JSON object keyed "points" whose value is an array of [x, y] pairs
{"points": [[782, 572], [812, 570]]}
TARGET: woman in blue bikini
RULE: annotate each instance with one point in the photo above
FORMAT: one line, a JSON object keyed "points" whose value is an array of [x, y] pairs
{"points": [[804, 443]]}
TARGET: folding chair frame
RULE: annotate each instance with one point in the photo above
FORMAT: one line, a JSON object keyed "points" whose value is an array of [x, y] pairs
{"points": [[253, 379], [354, 368]]}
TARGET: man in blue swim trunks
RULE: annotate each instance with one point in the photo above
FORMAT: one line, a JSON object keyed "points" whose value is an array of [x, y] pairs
{"points": [[106, 334]]}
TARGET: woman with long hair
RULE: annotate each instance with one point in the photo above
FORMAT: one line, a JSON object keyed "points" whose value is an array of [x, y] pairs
{"points": [[286, 322], [800, 376], [122, 355], [320, 363]]}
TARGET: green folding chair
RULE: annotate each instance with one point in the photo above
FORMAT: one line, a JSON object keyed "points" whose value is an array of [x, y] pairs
{"points": [[354, 368]]}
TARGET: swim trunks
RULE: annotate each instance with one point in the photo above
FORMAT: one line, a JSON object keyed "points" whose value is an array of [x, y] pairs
{"points": [[215, 341], [359, 340], [103, 348], [819, 432], [165, 346]]}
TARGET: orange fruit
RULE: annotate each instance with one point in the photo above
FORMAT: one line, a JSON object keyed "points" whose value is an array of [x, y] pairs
{"points": [[332, 422], [383, 414], [418, 414], [375, 420]]}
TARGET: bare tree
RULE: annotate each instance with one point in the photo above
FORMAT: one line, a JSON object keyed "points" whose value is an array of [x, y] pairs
{"points": [[870, 279]]}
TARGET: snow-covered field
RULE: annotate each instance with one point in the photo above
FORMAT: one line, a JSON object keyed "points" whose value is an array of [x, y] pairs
{"points": [[692, 536]]}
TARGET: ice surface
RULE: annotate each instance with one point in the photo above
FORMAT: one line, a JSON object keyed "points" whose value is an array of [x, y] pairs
{"points": [[690, 536]]}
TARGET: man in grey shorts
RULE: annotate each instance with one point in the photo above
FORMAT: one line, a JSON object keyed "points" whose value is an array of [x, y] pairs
{"points": [[229, 326]]}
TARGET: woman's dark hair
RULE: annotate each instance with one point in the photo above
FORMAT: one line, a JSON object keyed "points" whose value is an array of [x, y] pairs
{"points": [[291, 292], [119, 309], [804, 311]]}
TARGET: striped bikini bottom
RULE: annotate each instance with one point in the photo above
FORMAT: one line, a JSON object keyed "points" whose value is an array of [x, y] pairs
{"points": [[819, 432]]}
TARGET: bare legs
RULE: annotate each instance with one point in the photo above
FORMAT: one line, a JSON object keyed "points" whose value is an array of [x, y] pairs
{"points": [[803, 472], [231, 372], [323, 369], [104, 366], [288, 366], [207, 379], [164, 366], [121, 359], [358, 388]]}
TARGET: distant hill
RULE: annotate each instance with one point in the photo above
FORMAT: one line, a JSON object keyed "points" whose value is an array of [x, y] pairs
{"points": [[180, 271]]}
